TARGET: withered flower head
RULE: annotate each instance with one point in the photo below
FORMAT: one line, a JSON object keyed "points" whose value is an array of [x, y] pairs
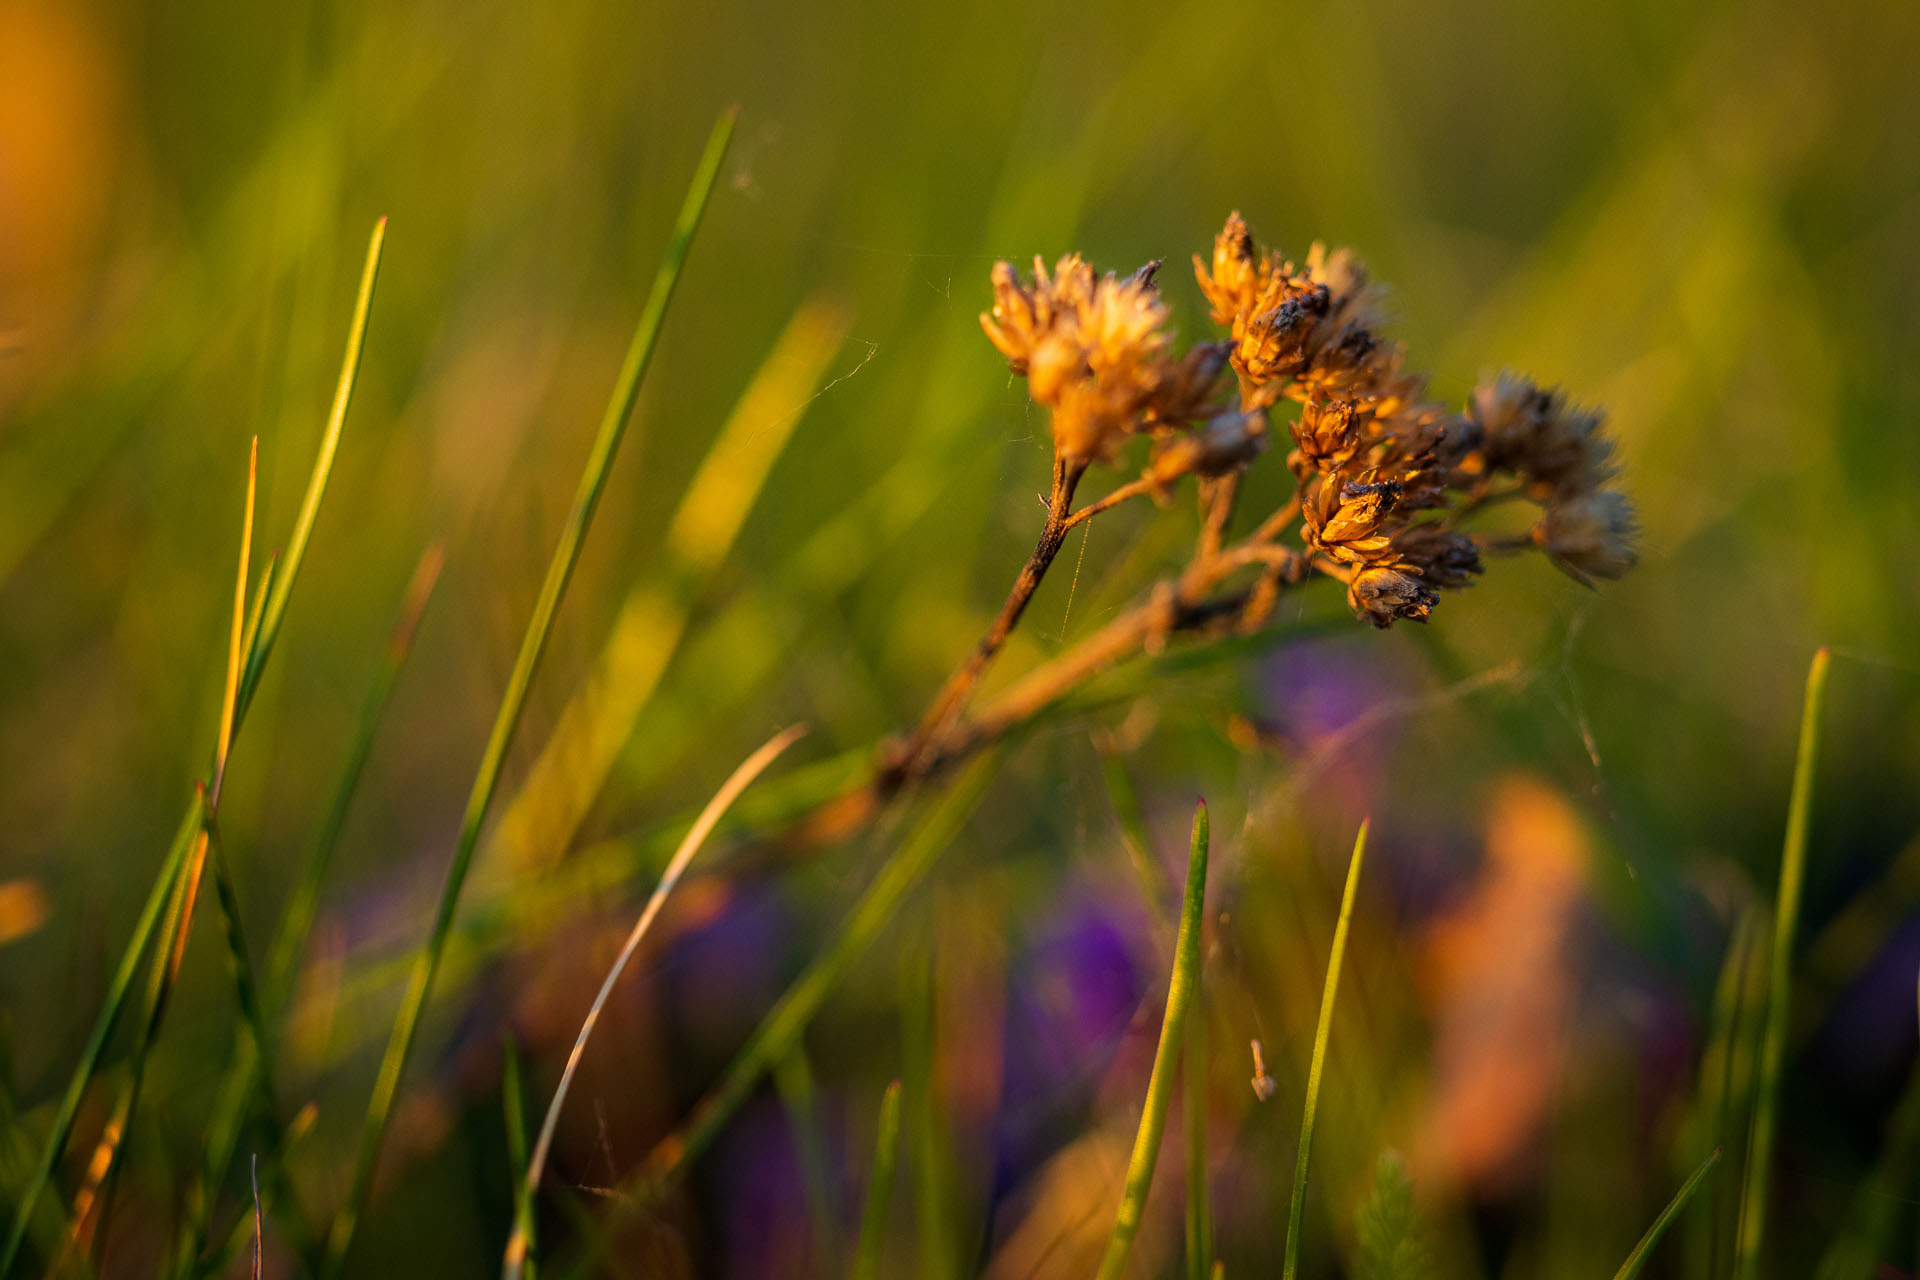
{"points": [[1445, 557], [1295, 330], [1383, 593], [1328, 435], [1095, 349], [1591, 535], [1344, 518], [1538, 434]]}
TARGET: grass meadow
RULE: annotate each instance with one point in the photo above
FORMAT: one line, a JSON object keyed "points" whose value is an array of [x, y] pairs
{"points": [[507, 524]]}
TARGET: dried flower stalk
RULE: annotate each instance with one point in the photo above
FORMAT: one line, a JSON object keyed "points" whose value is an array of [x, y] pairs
{"points": [[1385, 478]]}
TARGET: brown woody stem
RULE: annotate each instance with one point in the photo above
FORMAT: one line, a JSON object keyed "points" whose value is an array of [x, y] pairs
{"points": [[911, 760]]}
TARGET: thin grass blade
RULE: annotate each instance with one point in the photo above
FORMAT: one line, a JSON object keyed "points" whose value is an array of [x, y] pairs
{"points": [[1153, 1118], [540, 819], [289, 942], [873, 1218], [1642, 1251], [1199, 1211], [296, 553], [523, 1224], [793, 1078], [1322, 1032], [788, 1018], [749, 769], [1793, 865], [566, 555]]}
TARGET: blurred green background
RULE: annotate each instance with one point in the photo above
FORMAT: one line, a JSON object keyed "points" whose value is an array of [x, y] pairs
{"points": [[1704, 217]]}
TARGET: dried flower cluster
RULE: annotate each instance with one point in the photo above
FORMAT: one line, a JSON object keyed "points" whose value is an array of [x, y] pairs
{"points": [[1387, 480]]}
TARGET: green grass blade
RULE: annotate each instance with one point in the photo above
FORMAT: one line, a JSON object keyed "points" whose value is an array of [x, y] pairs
{"points": [[929, 1140], [540, 819], [1199, 1212], [533, 644], [1321, 1033], [246, 987], [1153, 1117], [793, 1078], [1717, 1098], [1638, 1258], [157, 898], [289, 942], [282, 586], [523, 1224], [1793, 862], [873, 1218]]}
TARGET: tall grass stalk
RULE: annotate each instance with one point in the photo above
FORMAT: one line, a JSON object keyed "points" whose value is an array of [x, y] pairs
{"points": [[793, 1078], [296, 553], [105, 1163], [539, 820], [516, 1119], [1718, 1097], [1181, 987], [873, 1217], [1793, 863], [1322, 1032], [752, 767], [252, 1062], [1199, 1213], [1642, 1251], [258, 635], [533, 644]]}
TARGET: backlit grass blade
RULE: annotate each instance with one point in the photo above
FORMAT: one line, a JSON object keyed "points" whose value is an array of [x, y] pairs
{"points": [[873, 1218], [566, 555], [1638, 1258], [1153, 1117], [784, 1023], [289, 942], [752, 767], [108, 1152], [540, 819], [256, 641], [296, 553], [1793, 865], [1321, 1033]]}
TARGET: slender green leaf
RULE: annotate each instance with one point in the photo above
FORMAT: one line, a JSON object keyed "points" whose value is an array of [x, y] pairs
{"points": [[566, 555], [1321, 1034], [1638, 1258], [873, 1218], [1184, 982], [1793, 865]]}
